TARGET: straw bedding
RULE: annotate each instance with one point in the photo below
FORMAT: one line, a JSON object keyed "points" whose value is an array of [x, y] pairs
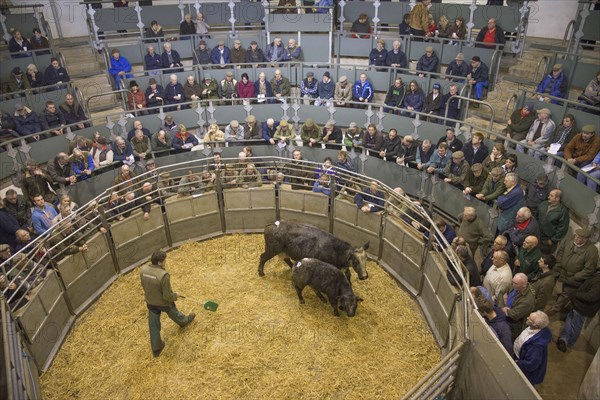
{"points": [[261, 342]]}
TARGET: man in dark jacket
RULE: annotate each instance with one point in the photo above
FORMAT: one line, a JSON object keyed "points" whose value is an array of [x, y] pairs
{"points": [[452, 103], [519, 123], [52, 118], [55, 74], [454, 143], [152, 60], [458, 67], [17, 205], [8, 227], [496, 319], [586, 303], [553, 218], [537, 191], [26, 121], [59, 169], [576, 262], [531, 347], [378, 55], [202, 54], [428, 62], [160, 298], [490, 34], [73, 113], [479, 76], [475, 150], [254, 54], [395, 95], [396, 58]]}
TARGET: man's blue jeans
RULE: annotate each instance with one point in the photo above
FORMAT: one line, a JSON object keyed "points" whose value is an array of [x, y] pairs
{"points": [[572, 328], [479, 89]]}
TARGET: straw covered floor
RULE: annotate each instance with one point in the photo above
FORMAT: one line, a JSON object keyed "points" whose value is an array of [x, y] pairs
{"points": [[260, 343]]}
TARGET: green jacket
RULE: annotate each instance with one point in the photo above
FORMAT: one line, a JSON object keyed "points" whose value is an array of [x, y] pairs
{"points": [[282, 87], [307, 133], [522, 306], [476, 182], [492, 193], [542, 288], [457, 179], [528, 262], [575, 264], [554, 224], [520, 125], [288, 134], [475, 233], [213, 86], [157, 286]]}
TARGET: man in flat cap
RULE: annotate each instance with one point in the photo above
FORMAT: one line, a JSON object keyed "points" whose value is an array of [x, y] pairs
{"points": [[576, 261], [456, 171], [478, 77], [584, 146], [540, 133], [554, 84]]}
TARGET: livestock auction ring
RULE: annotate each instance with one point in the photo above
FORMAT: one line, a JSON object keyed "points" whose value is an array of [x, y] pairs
{"points": [[261, 342]]}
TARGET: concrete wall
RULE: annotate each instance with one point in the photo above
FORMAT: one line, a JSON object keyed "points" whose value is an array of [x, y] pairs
{"points": [[559, 13]]}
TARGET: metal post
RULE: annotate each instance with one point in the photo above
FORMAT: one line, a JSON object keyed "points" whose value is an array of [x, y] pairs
{"points": [[471, 24], [109, 239], [220, 199], [55, 15]]}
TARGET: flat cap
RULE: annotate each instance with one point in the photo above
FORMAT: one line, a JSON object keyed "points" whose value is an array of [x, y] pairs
{"points": [[428, 49], [283, 122], [589, 129], [584, 233], [458, 154], [460, 56], [343, 78], [228, 73], [544, 111], [497, 171], [477, 167], [4, 247]]}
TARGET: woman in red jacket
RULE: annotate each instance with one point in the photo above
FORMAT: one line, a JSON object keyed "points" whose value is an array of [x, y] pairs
{"points": [[245, 88]]}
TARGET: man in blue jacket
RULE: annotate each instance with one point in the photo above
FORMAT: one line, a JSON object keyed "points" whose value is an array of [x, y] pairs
{"points": [[152, 61], [220, 55], [554, 84], [362, 91], [119, 67], [371, 199], [378, 55], [479, 77], [325, 90], [531, 347]]}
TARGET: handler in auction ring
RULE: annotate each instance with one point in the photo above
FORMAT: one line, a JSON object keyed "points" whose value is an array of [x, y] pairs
{"points": [[160, 298]]}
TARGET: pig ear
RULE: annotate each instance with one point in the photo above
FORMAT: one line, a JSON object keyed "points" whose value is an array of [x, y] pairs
{"points": [[366, 246], [358, 298]]}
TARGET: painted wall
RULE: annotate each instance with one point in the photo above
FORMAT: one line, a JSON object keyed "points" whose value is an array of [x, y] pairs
{"points": [[549, 18]]}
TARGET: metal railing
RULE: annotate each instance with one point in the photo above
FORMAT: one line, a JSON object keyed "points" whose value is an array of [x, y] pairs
{"points": [[439, 379], [545, 60], [469, 100]]}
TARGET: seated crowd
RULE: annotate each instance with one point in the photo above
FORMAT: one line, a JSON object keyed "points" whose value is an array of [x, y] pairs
{"points": [[529, 257], [530, 252]]}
